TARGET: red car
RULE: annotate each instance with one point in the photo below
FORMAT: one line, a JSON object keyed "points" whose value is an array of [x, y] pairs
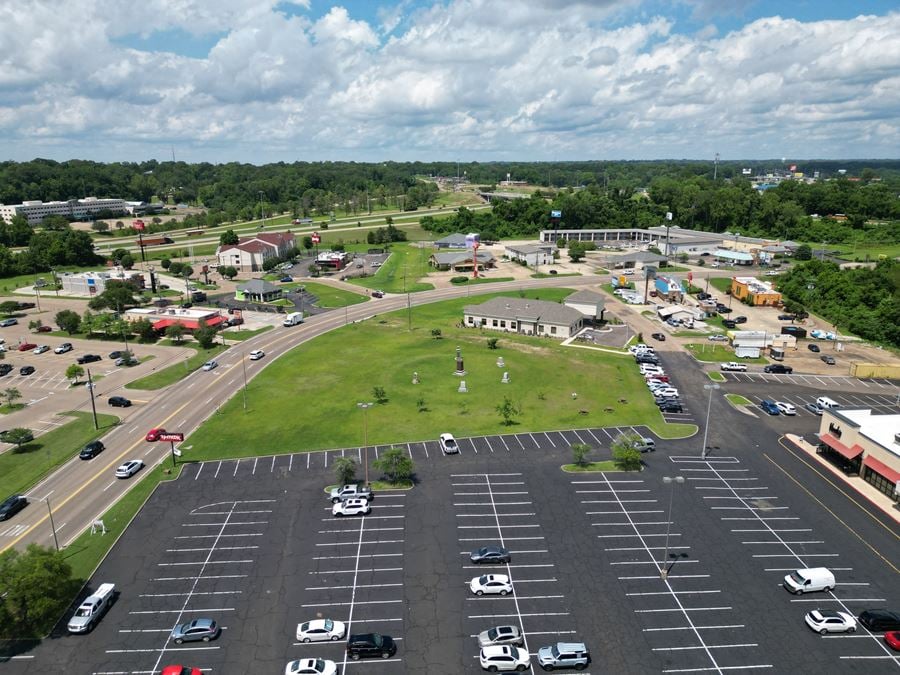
{"points": [[44, 329], [892, 637], [27, 347], [153, 434], [181, 670]]}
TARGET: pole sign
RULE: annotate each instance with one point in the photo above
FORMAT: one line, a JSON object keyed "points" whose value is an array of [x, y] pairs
{"points": [[316, 238], [172, 437], [556, 214], [138, 225]]}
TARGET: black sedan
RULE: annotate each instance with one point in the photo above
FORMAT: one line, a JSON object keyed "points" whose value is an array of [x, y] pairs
{"points": [[26, 370], [12, 506], [813, 348], [490, 554], [659, 336]]}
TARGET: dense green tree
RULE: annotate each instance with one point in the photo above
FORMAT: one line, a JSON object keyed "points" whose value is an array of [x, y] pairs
{"points": [[395, 464], [175, 332], [37, 587], [345, 470], [803, 252], [117, 295], [205, 336], [228, 238], [228, 271], [68, 321]]}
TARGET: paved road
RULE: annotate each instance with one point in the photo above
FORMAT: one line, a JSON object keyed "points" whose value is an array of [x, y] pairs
{"points": [[81, 491]]}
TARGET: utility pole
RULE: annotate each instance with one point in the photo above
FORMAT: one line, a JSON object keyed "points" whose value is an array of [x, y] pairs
{"points": [[365, 408], [52, 524], [93, 404]]}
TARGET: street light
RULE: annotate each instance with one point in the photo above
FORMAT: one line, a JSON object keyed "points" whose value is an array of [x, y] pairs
{"points": [[670, 481], [710, 388], [262, 208], [365, 408]]}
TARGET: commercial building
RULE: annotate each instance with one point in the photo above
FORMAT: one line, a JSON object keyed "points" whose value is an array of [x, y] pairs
{"points": [[668, 288], [163, 317], [531, 254], [524, 316], [758, 293], [89, 284], [258, 290], [461, 261], [863, 444], [455, 240], [249, 254], [74, 209]]}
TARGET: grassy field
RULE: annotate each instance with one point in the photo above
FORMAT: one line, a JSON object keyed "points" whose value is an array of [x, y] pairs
{"points": [[592, 467], [21, 469], [400, 271], [245, 334], [383, 353], [737, 399], [716, 353], [330, 297], [721, 284], [172, 374], [715, 376]]}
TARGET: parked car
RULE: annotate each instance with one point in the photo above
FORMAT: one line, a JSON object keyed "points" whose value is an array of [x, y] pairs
{"points": [[670, 406], [828, 359], [879, 620], [63, 348], [41, 349], [703, 296], [501, 635], [779, 368], [286, 279], [892, 637], [321, 630], [181, 670], [257, 354], [210, 365], [504, 658], [154, 434], [119, 402], [351, 507], [813, 348], [26, 370], [27, 346], [377, 294], [770, 407], [659, 336], [11, 506], [129, 468], [718, 337], [371, 644], [196, 630], [125, 361], [491, 584], [88, 358], [8, 322], [91, 450], [826, 621], [116, 354], [5, 369], [786, 317], [814, 408], [740, 319], [564, 655], [448, 444], [490, 554], [786, 408], [310, 667]]}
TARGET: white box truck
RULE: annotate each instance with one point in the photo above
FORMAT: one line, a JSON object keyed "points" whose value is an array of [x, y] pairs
{"points": [[293, 319], [93, 607]]}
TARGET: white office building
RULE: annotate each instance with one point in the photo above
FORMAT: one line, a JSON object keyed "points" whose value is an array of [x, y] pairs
{"points": [[36, 211]]}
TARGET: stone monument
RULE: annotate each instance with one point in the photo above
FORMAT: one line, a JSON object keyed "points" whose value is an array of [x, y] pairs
{"points": [[462, 387], [460, 369], [505, 379], [500, 362], [415, 379]]}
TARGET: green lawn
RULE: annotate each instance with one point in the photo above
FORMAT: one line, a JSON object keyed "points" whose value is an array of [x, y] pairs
{"points": [[21, 469], [541, 275], [716, 353], [737, 399], [172, 374], [715, 376], [330, 297], [334, 372], [400, 271], [721, 284], [592, 467], [245, 334]]}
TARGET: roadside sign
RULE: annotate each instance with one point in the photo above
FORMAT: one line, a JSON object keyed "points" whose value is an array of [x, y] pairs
{"points": [[138, 225], [316, 238], [177, 452], [172, 437]]}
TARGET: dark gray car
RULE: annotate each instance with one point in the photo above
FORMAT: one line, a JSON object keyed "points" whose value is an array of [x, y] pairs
{"points": [[490, 554]]}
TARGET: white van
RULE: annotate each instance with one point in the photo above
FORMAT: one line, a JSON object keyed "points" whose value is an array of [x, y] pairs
{"points": [[293, 319], [808, 580], [825, 403]]}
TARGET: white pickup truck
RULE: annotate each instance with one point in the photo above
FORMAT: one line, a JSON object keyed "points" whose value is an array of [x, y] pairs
{"points": [[93, 607], [732, 365], [352, 491]]}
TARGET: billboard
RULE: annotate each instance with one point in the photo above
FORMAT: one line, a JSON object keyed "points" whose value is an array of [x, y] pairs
{"points": [[138, 225], [556, 214], [473, 240]]}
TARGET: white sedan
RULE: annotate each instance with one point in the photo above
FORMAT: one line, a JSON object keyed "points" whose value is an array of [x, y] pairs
{"points": [[786, 408], [717, 338], [321, 630], [448, 444], [41, 349], [129, 468], [491, 584], [257, 354], [311, 667], [209, 365], [825, 621], [351, 507]]}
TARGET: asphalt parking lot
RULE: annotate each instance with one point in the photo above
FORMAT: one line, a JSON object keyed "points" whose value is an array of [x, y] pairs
{"points": [[252, 544]]}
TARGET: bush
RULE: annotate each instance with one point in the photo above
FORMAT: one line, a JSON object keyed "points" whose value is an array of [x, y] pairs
{"points": [[459, 280]]}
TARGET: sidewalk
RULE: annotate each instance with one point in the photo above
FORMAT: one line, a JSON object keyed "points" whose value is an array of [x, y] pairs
{"points": [[873, 496]]}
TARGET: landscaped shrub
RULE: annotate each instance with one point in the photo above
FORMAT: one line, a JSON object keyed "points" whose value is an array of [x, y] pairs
{"points": [[459, 280]]}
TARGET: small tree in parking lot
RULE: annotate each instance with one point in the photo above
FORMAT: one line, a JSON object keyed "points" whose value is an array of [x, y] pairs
{"points": [[395, 464], [580, 452], [625, 453], [345, 470], [74, 372]]}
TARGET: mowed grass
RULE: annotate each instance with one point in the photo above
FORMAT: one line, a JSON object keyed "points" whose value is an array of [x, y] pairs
{"points": [[716, 353], [172, 374], [306, 400], [400, 271], [21, 469], [331, 297]]}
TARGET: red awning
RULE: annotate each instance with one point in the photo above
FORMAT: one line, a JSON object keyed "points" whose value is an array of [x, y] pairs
{"points": [[882, 468], [837, 446], [190, 324]]}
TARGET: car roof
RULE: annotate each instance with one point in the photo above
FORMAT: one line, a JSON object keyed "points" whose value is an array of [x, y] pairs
{"points": [[497, 650], [571, 646]]}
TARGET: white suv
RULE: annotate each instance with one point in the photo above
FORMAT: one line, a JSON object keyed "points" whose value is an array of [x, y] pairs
{"points": [[501, 658], [351, 507]]}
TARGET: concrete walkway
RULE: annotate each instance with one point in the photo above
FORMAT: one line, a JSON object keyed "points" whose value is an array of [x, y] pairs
{"points": [[873, 496]]}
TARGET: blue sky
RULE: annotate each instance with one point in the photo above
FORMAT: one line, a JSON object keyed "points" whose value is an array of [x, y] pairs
{"points": [[285, 80]]}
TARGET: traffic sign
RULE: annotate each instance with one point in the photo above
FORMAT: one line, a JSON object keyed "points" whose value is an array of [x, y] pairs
{"points": [[172, 437], [316, 238], [138, 225]]}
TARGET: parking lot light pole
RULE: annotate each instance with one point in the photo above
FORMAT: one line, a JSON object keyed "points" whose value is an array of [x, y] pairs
{"points": [[670, 481], [365, 408], [710, 388]]}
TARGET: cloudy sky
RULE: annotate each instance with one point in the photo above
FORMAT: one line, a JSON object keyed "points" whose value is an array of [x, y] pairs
{"points": [[266, 80]]}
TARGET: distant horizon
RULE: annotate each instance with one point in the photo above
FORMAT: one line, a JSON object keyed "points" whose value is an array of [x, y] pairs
{"points": [[267, 81]]}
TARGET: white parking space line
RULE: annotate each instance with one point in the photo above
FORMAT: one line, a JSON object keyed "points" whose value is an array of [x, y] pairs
{"points": [[549, 439], [722, 627]]}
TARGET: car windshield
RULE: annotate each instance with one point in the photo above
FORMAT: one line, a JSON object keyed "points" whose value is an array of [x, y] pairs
{"points": [[304, 627], [377, 640], [329, 624], [493, 633], [797, 578], [483, 580]]}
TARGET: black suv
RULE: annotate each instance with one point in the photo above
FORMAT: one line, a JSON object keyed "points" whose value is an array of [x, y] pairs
{"points": [[119, 402], [370, 644], [778, 368], [880, 620], [91, 450], [12, 506], [88, 358], [5, 369]]}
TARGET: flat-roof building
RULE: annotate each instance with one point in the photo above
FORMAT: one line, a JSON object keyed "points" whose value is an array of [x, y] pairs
{"points": [[35, 211]]}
